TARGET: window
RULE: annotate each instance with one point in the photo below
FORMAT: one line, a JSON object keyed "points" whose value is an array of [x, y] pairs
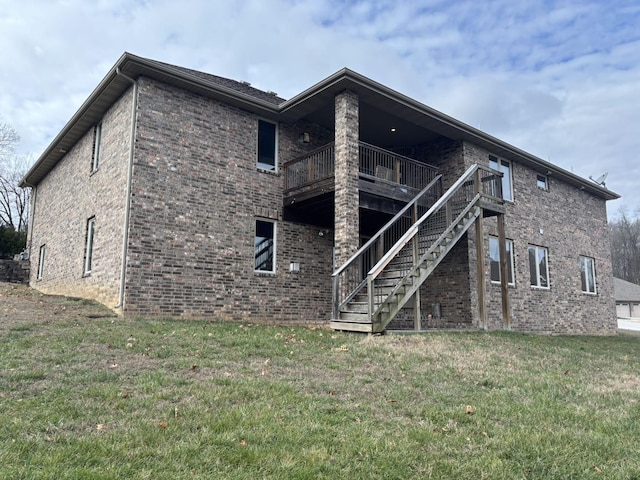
{"points": [[265, 243], [542, 182], [95, 154], [88, 252], [43, 251], [503, 166], [538, 266], [267, 142], [588, 274], [494, 254]]}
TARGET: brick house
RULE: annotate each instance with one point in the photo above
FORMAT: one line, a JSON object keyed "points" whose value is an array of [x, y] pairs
{"points": [[172, 192]]}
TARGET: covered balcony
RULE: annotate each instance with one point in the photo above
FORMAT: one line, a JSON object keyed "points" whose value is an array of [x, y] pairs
{"points": [[387, 181]]}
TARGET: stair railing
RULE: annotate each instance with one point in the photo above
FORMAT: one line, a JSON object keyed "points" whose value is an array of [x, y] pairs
{"points": [[350, 278], [429, 231]]}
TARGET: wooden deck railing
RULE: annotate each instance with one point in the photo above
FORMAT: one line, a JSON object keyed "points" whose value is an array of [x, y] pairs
{"points": [[374, 163], [382, 164], [314, 167]]}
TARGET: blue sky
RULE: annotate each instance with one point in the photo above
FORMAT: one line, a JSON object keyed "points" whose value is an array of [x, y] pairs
{"points": [[559, 79]]}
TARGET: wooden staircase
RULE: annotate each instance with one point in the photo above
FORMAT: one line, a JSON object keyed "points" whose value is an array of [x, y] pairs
{"points": [[368, 301]]}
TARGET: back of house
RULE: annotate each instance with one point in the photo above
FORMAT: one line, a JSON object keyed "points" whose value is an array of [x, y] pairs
{"points": [[173, 192]]}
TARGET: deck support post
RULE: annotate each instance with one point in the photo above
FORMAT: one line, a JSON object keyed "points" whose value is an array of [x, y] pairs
{"points": [[504, 274], [482, 289]]}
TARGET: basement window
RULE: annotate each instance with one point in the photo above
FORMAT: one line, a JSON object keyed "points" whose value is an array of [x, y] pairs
{"points": [[494, 254], [267, 145], [588, 275], [539, 266], [88, 251], [265, 246], [41, 256]]}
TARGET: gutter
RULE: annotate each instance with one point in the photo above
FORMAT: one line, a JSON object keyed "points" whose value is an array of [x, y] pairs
{"points": [[125, 236]]}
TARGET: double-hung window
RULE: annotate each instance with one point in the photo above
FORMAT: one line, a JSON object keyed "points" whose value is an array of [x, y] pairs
{"points": [[494, 254], [95, 153], [588, 274], [265, 246], [267, 145], [88, 251], [539, 266], [503, 166]]}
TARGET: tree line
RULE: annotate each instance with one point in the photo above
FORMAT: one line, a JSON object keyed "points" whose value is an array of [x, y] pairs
{"points": [[625, 246], [14, 201]]}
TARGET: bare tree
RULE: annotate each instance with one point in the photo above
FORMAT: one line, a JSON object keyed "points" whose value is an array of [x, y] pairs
{"points": [[14, 201], [625, 246], [8, 140]]}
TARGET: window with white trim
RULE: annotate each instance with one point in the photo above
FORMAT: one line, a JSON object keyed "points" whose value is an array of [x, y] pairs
{"points": [[95, 153], [588, 275], [503, 166], [265, 246], [494, 260], [539, 266], [267, 145], [41, 256], [89, 240]]}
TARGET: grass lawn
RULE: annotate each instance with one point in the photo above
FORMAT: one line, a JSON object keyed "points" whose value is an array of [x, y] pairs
{"points": [[106, 398]]}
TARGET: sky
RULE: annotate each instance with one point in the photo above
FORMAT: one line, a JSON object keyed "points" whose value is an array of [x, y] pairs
{"points": [[557, 78]]}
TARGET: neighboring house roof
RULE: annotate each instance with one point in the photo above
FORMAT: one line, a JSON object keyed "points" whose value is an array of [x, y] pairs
{"points": [[624, 291], [379, 105]]}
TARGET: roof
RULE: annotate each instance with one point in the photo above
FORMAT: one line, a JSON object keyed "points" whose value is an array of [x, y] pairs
{"points": [[624, 291], [378, 104]]}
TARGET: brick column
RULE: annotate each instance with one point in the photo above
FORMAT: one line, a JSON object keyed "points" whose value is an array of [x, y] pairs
{"points": [[347, 223]]}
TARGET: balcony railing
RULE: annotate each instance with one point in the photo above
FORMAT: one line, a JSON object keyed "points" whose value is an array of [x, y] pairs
{"points": [[375, 164]]}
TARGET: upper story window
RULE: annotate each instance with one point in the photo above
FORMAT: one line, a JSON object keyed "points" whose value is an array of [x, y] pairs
{"points": [[542, 182], [503, 166], [95, 152], [588, 274], [267, 145], [88, 251], [494, 254], [539, 266], [265, 246]]}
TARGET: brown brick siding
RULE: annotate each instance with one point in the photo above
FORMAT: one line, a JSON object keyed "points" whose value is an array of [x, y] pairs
{"points": [[68, 196], [569, 223], [196, 196]]}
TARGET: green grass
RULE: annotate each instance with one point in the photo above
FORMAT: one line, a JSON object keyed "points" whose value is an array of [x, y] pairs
{"points": [[106, 398]]}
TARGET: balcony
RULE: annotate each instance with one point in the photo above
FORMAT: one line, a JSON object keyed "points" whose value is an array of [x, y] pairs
{"points": [[387, 181]]}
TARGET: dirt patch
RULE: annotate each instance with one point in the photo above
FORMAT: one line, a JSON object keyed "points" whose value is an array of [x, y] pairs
{"points": [[21, 305]]}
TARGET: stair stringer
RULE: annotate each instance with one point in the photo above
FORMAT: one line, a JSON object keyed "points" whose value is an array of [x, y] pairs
{"points": [[413, 280]]}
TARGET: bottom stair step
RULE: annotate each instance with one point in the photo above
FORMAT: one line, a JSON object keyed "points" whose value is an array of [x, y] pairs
{"points": [[351, 326]]}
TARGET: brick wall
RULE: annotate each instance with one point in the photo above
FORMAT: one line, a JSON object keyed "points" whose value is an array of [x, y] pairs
{"points": [[569, 223], [196, 195], [67, 197]]}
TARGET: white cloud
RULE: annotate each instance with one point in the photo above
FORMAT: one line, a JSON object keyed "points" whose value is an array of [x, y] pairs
{"points": [[558, 78]]}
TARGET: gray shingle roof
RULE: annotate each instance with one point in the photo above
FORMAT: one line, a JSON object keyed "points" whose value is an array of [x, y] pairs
{"points": [[242, 87], [625, 291]]}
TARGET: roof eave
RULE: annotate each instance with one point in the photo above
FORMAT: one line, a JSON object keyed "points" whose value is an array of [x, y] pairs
{"points": [[112, 87]]}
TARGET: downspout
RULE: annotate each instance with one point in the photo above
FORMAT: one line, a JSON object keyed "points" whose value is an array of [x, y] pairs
{"points": [[125, 236], [32, 219]]}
